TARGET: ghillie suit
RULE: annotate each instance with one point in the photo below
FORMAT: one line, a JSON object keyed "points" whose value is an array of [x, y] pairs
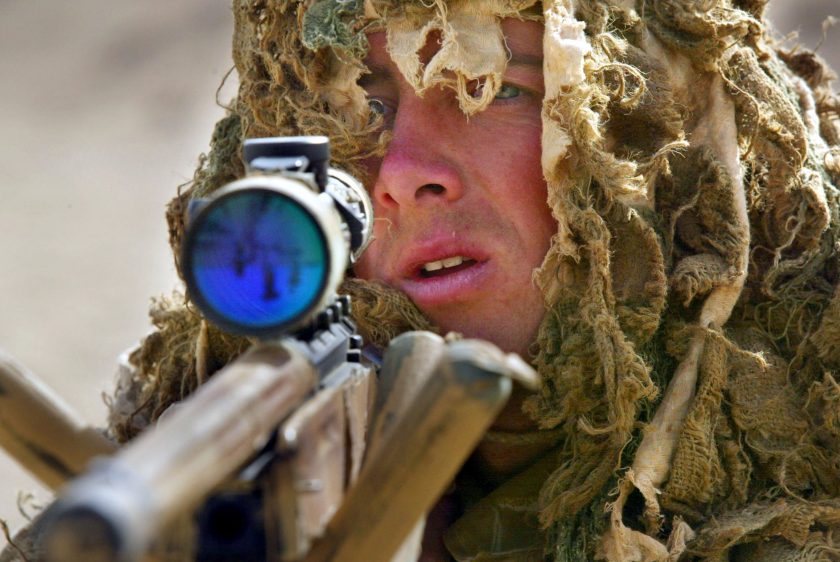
{"points": [[691, 345]]}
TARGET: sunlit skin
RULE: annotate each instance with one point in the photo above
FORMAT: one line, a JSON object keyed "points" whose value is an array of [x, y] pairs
{"points": [[456, 186]]}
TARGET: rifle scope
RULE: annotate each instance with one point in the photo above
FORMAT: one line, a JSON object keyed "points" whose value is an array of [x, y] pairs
{"points": [[266, 253]]}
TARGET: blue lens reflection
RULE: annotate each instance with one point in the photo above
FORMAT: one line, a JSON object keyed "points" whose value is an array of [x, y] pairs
{"points": [[259, 259]]}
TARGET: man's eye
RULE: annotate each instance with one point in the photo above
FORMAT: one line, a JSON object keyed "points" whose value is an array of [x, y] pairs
{"points": [[508, 91], [377, 107]]}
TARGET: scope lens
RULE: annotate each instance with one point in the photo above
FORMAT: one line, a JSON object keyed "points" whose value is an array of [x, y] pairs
{"points": [[257, 261]]}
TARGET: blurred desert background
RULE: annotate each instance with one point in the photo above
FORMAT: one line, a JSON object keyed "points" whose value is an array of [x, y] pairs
{"points": [[104, 109]]}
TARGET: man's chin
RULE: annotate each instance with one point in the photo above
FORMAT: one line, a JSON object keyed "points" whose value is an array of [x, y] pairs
{"points": [[496, 329], [384, 312]]}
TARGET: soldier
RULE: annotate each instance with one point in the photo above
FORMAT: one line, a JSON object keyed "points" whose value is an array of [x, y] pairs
{"points": [[638, 197]]}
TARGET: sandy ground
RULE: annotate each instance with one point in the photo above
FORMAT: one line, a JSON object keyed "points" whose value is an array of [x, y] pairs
{"points": [[104, 108]]}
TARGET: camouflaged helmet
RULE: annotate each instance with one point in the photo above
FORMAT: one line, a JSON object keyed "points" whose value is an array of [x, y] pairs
{"points": [[693, 325]]}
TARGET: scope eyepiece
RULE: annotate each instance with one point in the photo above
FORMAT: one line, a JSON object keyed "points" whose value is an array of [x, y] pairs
{"points": [[266, 253]]}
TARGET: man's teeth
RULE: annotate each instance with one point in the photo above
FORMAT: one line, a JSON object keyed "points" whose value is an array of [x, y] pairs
{"points": [[448, 262]]}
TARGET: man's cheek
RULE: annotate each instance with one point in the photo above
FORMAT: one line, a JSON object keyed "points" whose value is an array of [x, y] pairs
{"points": [[362, 268], [370, 168], [370, 265]]}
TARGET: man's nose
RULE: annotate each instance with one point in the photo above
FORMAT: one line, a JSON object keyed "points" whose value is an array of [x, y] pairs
{"points": [[420, 165]]}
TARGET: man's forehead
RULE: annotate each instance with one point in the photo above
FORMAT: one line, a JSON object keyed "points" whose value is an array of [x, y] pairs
{"points": [[522, 37]]}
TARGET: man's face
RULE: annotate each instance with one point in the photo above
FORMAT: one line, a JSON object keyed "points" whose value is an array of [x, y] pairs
{"points": [[460, 204]]}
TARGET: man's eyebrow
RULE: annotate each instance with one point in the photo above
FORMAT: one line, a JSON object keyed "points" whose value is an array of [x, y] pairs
{"points": [[377, 73]]}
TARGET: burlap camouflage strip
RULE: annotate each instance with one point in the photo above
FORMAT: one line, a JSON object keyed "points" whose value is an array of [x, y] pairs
{"points": [[692, 168]]}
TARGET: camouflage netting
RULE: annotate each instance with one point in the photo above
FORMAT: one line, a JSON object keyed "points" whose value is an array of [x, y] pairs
{"points": [[691, 348]]}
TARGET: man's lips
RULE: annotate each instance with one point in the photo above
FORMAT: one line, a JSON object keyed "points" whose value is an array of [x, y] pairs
{"points": [[447, 284], [414, 258], [459, 285]]}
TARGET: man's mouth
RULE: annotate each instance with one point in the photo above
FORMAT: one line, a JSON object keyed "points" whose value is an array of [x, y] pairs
{"points": [[441, 271], [445, 266]]}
